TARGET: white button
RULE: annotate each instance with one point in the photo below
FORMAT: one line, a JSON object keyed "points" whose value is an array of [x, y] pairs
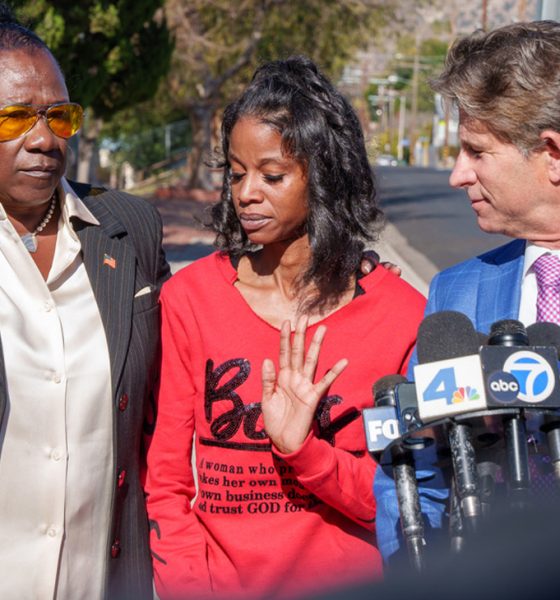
{"points": [[56, 454], [53, 376], [47, 305], [51, 532]]}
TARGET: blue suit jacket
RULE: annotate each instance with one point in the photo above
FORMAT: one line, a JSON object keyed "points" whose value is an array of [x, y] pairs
{"points": [[486, 289]]}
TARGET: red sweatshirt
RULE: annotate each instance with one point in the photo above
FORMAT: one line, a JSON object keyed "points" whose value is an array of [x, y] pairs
{"points": [[265, 523]]}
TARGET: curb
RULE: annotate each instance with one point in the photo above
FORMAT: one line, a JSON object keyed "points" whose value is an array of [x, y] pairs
{"points": [[417, 270]]}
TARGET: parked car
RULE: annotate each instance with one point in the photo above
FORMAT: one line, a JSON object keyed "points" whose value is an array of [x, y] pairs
{"points": [[386, 160]]}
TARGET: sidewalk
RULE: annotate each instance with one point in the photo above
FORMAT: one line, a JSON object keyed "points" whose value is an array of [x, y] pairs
{"points": [[186, 240], [416, 268]]}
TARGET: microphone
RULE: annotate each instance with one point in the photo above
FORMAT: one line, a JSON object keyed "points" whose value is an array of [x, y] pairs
{"points": [[384, 389], [487, 469], [395, 412], [512, 333], [449, 378], [508, 332], [448, 344], [544, 334], [407, 407], [380, 422], [444, 335], [404, 475], [519, 375], [548, 334]]}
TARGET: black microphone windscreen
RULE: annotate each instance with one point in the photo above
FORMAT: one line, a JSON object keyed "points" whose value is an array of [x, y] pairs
{"points": [[384, 389], [508, 332], [446, 334], [544, 334]]}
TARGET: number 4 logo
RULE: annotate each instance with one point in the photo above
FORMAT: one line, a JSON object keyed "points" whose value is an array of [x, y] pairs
{"points": [[442, 386], [449, 387]]}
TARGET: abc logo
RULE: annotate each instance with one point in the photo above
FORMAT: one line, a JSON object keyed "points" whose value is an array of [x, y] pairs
{"points": [[534, 375], [503, 387]]}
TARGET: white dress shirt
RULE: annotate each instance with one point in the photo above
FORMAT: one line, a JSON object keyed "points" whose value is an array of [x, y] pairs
{"points": [[56, 437], [528, 302]]}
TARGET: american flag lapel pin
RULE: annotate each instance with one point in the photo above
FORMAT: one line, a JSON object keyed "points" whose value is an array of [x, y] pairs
{"points": [[109, 261]]}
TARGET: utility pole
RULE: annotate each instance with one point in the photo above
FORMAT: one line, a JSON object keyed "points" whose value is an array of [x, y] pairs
{"points": [[402, 112], [485, 15], [391, 99], [414, 105]]}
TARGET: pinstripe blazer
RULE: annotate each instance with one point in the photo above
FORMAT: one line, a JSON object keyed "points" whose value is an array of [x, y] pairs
{"points": [[130, 232]]}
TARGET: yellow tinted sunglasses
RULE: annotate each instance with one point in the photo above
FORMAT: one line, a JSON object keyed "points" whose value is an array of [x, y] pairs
{"points": [[63, 118]]}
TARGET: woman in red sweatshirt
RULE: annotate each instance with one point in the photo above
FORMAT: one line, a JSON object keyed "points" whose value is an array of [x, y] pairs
{"points": [[284, 505]]}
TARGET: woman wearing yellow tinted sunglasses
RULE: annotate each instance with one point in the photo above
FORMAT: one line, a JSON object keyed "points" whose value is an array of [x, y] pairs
{"points": [[80, 274], [63, 118]]}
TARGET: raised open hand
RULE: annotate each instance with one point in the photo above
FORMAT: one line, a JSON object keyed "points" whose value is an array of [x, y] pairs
{"points": [[289, 401]]}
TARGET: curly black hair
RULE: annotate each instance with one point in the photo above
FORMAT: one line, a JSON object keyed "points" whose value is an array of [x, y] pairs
{"points": [[320, 130]]}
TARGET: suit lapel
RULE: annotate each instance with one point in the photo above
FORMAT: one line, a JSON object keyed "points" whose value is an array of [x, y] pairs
{"points": [[110, 264], [499, 289], [3, 385]]}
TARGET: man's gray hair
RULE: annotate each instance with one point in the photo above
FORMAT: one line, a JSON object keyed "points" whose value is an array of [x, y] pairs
{"points": [[508, 79]]}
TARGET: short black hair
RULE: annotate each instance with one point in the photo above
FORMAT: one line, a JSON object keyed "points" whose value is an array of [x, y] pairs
{"points": [[320, 130], [14, 36]]}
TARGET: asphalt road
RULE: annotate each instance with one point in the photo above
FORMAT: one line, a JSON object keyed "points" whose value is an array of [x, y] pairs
{"points": [[436, 220]]}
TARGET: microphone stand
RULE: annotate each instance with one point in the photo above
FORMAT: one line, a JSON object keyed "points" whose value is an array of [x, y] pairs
{"points": [[509, 333], [404, 475], [409, 505], [552, 428], [456, 529], [518, 460], [465, 474]]}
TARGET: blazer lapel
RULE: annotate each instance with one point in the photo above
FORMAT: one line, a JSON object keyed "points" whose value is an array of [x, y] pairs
{"points": [[110, 264], [3, 385], [499, 289]]}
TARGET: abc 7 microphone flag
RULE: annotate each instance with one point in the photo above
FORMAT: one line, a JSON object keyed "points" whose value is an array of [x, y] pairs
{"points": [[525, 377], [497, 377]]}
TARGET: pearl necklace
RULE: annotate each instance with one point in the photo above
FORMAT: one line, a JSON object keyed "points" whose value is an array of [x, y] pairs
{"points": [[30, 239]]}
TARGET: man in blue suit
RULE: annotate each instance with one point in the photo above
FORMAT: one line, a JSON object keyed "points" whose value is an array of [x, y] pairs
{"points": [[505, 85]]}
